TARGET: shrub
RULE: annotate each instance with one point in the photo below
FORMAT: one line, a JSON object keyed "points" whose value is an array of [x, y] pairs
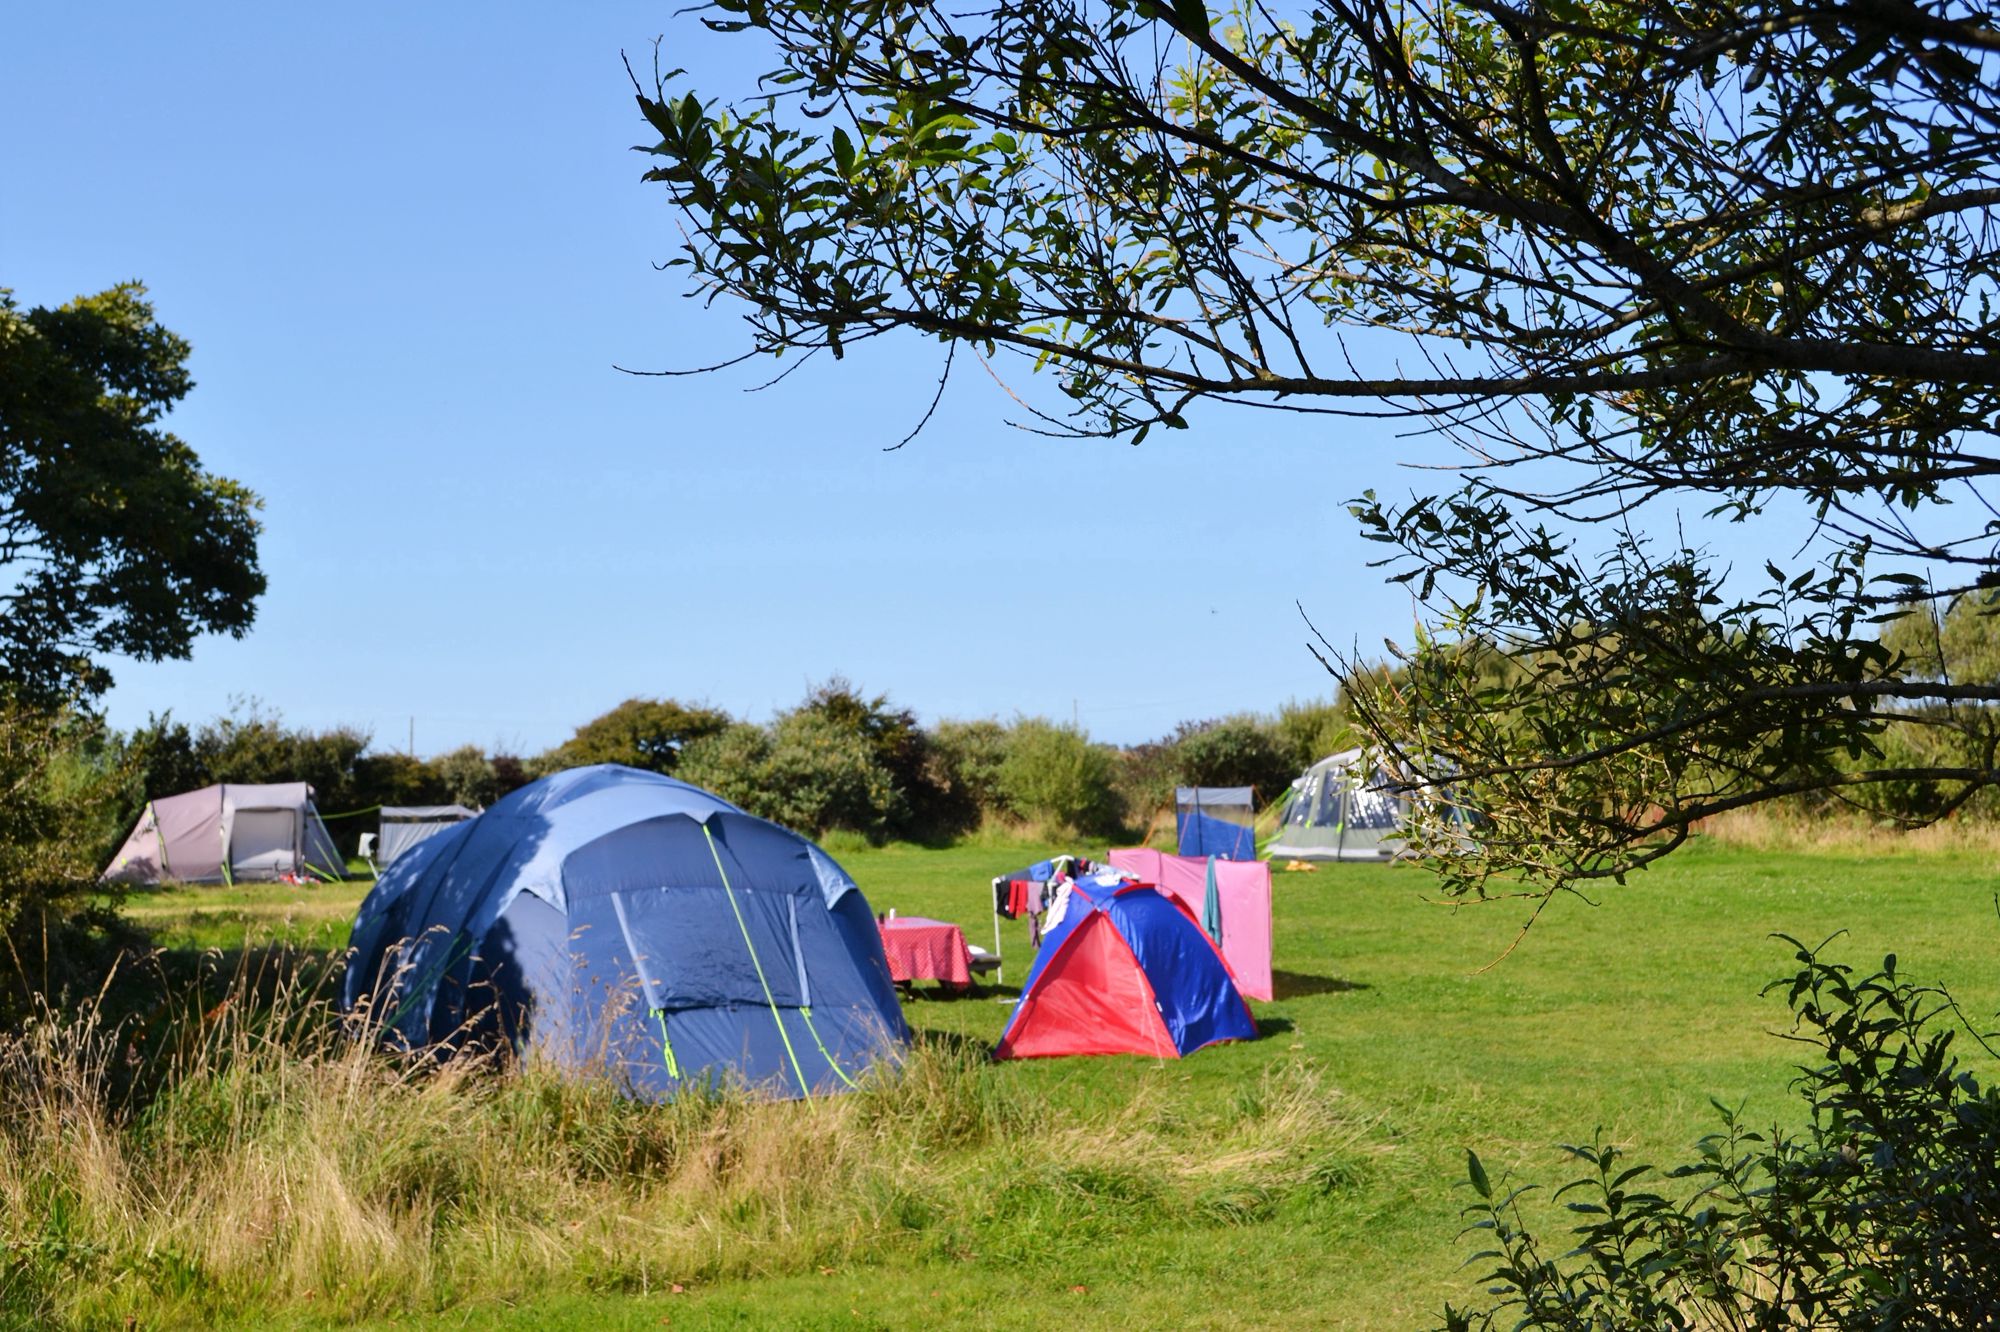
{"points": [[467, 777], [1236, 751], [898, 745], [163, 761], [1054, 775], [644, 733], [1145, 777], [962, 769], [391, 778], [251, 745], [65, 786], [823, 775], [1306, 732], [806, 772], [730, 763], [1878, 1215]]}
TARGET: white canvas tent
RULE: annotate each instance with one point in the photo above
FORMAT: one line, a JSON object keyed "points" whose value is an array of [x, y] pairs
{"points": [[223, 833], [1342, 808], [405, 826]]}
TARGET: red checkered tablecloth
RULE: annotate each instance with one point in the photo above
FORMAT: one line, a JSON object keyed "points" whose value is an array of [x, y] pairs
{"points": [[921, 949]]}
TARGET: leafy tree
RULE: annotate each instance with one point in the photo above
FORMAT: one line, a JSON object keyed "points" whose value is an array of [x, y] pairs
{"points": [[1625, 251], [113, 540], [1955, 641], [509, 773], [640, 733]]}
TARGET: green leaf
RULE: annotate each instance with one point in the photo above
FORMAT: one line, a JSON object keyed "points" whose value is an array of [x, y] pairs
{"points": [[1477, 1174]]}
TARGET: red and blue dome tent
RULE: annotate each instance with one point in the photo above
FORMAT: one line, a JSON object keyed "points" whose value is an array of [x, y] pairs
{"points": [[1125, 970]]}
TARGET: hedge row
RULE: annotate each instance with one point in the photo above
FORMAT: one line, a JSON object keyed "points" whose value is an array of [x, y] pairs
{"points": [[839, 759]]}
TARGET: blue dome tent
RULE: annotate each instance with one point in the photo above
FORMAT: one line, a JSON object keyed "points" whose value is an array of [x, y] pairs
{"points": [[605, 917]]}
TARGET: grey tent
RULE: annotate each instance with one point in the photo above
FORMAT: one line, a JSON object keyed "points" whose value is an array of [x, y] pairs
{"points": [[223, 833], [1341, 809], [405, 826]]}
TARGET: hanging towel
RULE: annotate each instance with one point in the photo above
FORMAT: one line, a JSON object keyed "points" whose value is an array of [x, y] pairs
{"points": [[1211, 906]]}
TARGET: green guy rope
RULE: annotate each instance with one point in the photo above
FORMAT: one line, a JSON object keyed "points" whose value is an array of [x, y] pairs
{"points": [[737, 911], [667, 1044], [825, 1053], [350, 813]]}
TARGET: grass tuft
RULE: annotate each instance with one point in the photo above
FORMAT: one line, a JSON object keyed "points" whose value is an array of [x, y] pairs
{"points": [[248, 1154]]}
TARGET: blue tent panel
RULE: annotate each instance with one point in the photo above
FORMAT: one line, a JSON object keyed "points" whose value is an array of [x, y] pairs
{"points": [[1202, 834], [1215, 821]]}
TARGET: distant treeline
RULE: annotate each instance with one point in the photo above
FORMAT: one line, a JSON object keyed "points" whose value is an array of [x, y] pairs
{"points": [[840, 759]]}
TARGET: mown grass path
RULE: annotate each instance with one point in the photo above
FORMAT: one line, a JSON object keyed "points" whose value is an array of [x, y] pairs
{"points": [[1628, 1016]]}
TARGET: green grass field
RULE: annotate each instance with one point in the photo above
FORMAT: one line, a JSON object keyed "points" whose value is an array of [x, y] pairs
{"points": [[1627, 1016]]}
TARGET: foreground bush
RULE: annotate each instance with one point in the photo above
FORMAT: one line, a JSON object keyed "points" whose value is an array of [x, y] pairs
{"points": [[238, 1156], [1882, 1214], [60, 772]]}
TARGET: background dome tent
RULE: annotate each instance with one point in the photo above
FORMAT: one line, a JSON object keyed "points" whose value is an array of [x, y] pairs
{"points": [[404, 826], [1124, 971], [227, 832], [1215, 821], [1341, 808], [608, 918]]}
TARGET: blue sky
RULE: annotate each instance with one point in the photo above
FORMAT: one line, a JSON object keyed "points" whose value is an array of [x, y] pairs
{"points": [[409, 245]]}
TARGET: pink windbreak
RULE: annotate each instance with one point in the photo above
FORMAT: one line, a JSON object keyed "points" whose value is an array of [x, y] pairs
{"points": [[1244, 887]]}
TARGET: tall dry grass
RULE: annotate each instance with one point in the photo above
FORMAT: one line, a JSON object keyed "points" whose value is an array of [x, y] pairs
{"points": [[1848, 832], [208, 1160]]}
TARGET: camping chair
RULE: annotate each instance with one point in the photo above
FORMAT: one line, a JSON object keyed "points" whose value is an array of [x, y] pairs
{"points": [[366, 850], [982, 963]]}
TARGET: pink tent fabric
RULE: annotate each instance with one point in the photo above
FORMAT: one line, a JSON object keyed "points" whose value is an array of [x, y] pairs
{"points": [[1245, 889]]}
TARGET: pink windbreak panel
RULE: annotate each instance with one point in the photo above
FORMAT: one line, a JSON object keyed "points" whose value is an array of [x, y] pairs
{"points": [[1245, 889]]}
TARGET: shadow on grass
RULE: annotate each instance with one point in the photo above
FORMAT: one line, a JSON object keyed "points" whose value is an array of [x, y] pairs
{"points": [[906, 990], [1298, 984], [1267, 1027], [955, 1043]]}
